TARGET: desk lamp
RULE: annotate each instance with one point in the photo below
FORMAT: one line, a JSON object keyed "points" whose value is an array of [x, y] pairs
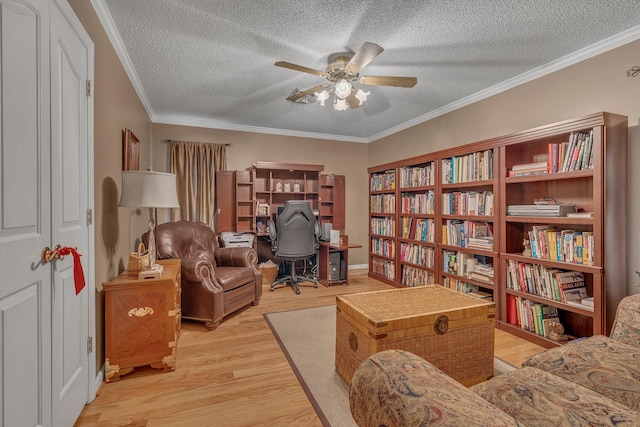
{"points": [[149, 189]]}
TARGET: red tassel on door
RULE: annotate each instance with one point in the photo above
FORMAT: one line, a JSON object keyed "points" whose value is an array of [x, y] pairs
{"points": [[78, 274]]}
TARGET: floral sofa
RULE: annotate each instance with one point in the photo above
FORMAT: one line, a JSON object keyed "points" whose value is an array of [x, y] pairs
{"points": [[589, 382]]}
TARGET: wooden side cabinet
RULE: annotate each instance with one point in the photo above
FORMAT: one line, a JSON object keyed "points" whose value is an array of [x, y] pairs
{"points": [[142, 321]]}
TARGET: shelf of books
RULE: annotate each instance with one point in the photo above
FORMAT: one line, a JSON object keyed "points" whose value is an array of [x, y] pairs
{"points": [[561, 257], [467, 217], [382, 228], [536, 220], [570, 293], [417, 231]]}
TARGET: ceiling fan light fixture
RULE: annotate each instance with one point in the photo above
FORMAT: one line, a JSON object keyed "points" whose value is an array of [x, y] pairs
{"points": [[343, 69], [321, 97], [342, 89], [362, 95], [340, 104]]}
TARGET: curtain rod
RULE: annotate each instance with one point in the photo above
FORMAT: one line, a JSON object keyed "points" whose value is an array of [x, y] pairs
{"points": [[226, 145]]}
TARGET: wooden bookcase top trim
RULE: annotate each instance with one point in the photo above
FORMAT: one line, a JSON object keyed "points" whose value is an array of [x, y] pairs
{"points": [[529, 135], [288, 166]]}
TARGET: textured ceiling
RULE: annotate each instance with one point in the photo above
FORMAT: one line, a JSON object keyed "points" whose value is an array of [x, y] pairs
{"points": [[210, 62]]}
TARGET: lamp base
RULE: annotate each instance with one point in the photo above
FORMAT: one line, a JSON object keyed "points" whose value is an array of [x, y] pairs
{"points": [[154, 272]]}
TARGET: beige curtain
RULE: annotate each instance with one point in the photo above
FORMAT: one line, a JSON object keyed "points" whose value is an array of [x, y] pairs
{"points": [[195, 165]]}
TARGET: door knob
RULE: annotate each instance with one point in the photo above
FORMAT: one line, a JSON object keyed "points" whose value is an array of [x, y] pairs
{"points": [[51, 254]]}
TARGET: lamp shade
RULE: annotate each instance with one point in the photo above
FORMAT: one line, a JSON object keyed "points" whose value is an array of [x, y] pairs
{"points": [[342, 89], [148, 189]]}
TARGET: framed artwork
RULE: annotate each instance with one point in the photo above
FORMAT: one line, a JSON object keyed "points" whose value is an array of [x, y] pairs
{"points": [[130, 151]]}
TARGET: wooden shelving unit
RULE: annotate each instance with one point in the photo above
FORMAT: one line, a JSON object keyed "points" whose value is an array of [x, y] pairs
{"points": [[417, 228], [383, 242], [247, 199], [600, 188], [275, 183], [332, 200], [468, 243]]}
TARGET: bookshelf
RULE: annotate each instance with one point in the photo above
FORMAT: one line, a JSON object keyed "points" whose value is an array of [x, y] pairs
{"points": [[468, 239], [474, 188], [245, 206], [275, 183], [382, 225], [332, 200], [247, 199], [593, 245], [417, 225]]}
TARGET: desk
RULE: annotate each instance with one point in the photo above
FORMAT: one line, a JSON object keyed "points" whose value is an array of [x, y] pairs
{"points": [[333, 266]]}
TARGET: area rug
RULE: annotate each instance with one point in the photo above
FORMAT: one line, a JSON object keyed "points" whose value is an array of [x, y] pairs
{"points": [[307, 338]]}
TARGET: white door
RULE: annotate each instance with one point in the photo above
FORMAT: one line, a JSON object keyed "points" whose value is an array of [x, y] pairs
{"points": [[25, 224], [44, 359], [70, 162]]}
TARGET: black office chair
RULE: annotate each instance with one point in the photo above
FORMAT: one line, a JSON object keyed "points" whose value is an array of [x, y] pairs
{"points": [[294, 236]]}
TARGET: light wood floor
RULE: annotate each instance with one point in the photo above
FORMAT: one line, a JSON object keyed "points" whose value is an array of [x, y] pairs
{"points": [[236, 375]]}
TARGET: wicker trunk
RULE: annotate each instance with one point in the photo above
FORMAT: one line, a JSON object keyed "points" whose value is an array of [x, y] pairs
{"points": [[451, 330]]}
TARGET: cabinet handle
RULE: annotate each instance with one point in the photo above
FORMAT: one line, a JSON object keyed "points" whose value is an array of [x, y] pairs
{"points": [[140, 311]]}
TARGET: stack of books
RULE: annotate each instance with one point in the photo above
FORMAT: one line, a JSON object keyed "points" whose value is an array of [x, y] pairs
{"points": [[572, 287], [526, 169], [541, 210]]}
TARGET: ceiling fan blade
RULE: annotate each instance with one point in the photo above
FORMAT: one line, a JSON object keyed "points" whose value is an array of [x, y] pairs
{"points": [[364, 55], [389, 81], [295, 67], [352, 100], [307, 92]]}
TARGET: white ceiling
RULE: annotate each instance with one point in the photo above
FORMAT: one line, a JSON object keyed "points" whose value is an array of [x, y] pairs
{"points": [[210, 63]]}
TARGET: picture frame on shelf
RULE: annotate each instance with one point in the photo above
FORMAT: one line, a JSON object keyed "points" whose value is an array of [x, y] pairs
{"points": [[130, 151]]}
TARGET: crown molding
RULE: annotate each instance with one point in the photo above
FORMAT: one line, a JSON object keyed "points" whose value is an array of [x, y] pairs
{"points": [[214, 124], [595, 49], [114, 36]]}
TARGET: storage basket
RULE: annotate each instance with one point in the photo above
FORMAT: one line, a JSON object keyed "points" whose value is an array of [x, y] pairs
{"points": [[450, 330], [138, 260], [269, 272]]}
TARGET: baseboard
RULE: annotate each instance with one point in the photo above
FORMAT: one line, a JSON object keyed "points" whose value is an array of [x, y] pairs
{"points": [[502, 366], [358, 266], [98, 382]]}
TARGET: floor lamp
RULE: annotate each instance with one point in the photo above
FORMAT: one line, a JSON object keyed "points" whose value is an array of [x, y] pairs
{"points": [[149, 189]]}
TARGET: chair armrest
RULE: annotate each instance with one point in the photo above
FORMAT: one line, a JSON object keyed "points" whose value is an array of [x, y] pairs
{"points": [[317, 231], [237, 257], [271, 229], [626, 327], [206, 275], [396, 387]]}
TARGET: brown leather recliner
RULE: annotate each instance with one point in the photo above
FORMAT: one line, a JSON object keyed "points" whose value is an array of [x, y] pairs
{"points": [[216, 281]]}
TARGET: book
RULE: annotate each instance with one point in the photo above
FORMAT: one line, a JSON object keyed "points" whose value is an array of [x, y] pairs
{"points": [[529, 166], [549, 315], [579, 214], [512, 311], [575, 295], [580, 304]]}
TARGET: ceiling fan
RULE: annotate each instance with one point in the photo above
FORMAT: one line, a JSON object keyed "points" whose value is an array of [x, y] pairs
{"points": [[343, 69]]}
